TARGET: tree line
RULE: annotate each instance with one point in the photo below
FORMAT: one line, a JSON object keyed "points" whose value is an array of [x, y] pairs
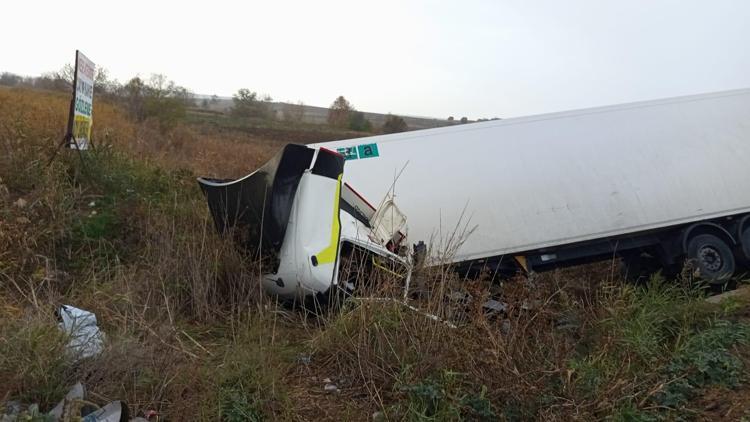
{"points": [[159, 99], [154, 98], [341, 114]]}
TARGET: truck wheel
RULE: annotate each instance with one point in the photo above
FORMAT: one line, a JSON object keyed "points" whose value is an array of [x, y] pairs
{"points": [[712, 257], [745, 240]]}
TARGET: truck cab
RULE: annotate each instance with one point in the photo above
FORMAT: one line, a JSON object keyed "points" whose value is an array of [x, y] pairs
{"points": [[300, 221]]}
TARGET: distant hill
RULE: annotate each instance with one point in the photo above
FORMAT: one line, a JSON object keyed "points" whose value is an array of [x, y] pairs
{"points": [[319, 115]]}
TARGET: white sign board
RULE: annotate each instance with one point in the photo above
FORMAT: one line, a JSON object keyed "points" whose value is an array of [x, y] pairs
{"points": [[83, 101]]}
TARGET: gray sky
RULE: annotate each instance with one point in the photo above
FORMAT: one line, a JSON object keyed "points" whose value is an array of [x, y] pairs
{"points": [[428, 58]]}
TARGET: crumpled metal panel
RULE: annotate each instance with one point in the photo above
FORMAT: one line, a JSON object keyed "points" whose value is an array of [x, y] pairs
{"points": [[256, 207]]}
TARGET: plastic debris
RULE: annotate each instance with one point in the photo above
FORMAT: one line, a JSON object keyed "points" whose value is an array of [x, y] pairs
{"points": [[77, 392], [494, 305], [115, 411], [505, 327], [73, 407], [568, 322], [304, 359], [331, 388], [86, 340], [12, 408]]}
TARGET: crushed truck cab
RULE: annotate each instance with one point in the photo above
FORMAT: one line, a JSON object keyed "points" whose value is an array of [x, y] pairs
{"points": [[296, 217]]}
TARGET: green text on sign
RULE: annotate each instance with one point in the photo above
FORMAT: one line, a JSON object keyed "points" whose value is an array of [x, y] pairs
{"points": [[368, 150], [349, 153], [359, 152]]}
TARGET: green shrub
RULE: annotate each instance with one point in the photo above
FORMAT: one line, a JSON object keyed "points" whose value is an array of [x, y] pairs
{"points": [[33, 363], [705, 359]]}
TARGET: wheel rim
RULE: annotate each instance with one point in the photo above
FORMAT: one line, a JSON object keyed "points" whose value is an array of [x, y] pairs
{"points": [[710, 258]]}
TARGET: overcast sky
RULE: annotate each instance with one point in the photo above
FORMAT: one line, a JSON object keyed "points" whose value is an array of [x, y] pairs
{"points": [[424, 58]]}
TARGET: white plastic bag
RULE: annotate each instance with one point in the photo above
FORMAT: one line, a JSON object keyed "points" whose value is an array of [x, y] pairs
{"points": [[86, 340]]}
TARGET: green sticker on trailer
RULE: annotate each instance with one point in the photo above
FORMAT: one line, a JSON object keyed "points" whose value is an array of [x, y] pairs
{"points": [[368, 150], [359, 151], [349, 153]]}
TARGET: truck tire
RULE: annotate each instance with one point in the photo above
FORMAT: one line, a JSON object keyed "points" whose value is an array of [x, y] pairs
{"points": [[712, 257], [745, 240]]}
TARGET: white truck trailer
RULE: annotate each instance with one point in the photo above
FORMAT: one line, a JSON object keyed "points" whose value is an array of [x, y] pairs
{"points": [[668, 179]]}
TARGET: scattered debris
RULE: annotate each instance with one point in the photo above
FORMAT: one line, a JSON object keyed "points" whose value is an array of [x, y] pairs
{"points": [[505, 327], [86, 340], [494, 305], [569, 322], [115, 411], [20, 203], [460, 297], [77, 392], [150, 414], [378, 416], [304, 359], [12, 407], [73, 407], [14, 413], [331, 388], [23, 220]]}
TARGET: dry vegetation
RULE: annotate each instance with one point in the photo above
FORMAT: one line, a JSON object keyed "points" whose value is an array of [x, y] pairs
{"points": [[126, 234]]}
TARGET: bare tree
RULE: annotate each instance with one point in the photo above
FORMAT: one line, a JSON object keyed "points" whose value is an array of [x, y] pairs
{"points": [[159, 98], [248, 104], [338, 113]]}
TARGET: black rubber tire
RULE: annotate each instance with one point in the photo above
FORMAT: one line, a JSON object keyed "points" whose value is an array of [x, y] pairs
{"points": [[745, 241], [712, 257]]}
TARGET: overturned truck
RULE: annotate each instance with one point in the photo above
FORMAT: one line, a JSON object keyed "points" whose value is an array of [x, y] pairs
{"points": [[653, 182], [299, 219]]}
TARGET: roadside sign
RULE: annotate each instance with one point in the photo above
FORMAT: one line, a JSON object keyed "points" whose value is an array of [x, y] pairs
{"points": [[83, 102]]}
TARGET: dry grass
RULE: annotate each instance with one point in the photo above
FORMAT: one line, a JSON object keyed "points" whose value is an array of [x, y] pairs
{"points": [[189, 333]]}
